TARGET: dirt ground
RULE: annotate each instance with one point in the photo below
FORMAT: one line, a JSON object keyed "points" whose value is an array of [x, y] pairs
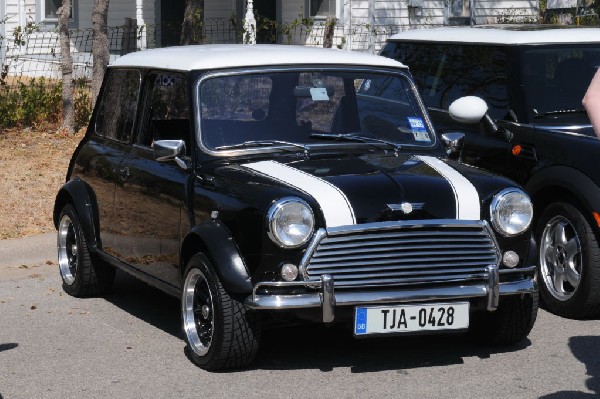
{"points": [[33, 166]]}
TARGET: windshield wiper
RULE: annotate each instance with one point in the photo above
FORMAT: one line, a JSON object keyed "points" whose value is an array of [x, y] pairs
{"points": [[356, 137], [558, 112], [265, 143]]}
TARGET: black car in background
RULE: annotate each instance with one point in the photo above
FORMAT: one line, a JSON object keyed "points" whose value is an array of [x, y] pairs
{"points": [[536, 132], [272, 184]]}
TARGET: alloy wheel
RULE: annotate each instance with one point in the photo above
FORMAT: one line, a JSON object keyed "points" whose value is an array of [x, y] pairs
{"points": [[67, 249], [198, 312], [560, 258]]}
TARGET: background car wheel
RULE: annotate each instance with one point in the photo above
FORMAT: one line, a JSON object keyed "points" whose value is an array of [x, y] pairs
{"points": [[509, 324], [81, 275], [221, 332], [569, 265]]}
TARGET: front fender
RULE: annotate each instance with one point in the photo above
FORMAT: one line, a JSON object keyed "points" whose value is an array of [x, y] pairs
{"points": [[580, 185], [213, 238], [81, 196]]}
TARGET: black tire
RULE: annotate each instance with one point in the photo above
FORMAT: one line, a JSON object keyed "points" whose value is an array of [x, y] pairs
{"points": [[509, 324], [568, 272], [81, 274], [220, 332]]}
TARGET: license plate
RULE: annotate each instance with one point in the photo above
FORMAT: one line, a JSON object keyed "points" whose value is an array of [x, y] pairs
{"points": [[411, 318]]}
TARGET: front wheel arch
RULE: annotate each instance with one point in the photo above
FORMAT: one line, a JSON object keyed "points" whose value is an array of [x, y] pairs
{"points": [[214, 241]]}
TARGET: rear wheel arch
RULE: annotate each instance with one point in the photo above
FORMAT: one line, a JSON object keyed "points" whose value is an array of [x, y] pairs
{"points": [[81, 197]]}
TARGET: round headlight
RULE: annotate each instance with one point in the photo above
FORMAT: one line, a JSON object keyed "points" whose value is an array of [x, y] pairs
{"points": [[511, 211], [291, 222]]}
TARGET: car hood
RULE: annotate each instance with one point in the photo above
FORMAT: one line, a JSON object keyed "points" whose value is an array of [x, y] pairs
{"points": [[372, 188]]}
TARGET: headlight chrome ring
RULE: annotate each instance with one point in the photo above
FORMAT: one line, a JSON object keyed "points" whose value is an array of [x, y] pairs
{"points": [[511, 212], [290, 222]]}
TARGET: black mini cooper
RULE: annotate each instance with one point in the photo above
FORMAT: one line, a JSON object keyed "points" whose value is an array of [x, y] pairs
{"points": [[260, 181]]}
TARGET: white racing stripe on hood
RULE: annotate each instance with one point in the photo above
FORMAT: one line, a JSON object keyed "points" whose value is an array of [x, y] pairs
{"points": [[333, 202], [467, 197]]}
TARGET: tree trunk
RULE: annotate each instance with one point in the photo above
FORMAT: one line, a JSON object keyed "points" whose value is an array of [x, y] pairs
{"points": [[193, 22], [329, 31], [66, 66], [99, 45]]}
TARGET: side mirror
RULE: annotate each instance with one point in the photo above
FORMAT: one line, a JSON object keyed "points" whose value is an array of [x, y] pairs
{"points": [[170, 150], [453, 141], [469, 109], [472, 109]]}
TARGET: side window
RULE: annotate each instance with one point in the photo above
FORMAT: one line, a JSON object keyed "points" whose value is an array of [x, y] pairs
{"points": [[235, 109], [236, 98], [167, 115], [118, 105], [445, 72]]}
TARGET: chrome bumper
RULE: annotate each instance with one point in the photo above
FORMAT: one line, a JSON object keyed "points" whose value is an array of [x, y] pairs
{"points": [[327, 299]]}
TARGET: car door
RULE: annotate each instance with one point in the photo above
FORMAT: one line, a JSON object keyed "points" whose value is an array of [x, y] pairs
{"points": [[151, 195], [112, 126]]}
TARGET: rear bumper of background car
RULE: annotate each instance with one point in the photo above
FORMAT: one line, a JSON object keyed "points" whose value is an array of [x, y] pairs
{"points": [[325, 296]]}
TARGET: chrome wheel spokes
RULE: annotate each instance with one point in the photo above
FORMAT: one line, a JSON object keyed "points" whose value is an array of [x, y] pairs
{"points": [[198, 312], [560, 258], [67, 249]]}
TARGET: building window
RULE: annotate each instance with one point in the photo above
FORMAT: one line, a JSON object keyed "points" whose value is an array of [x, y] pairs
{"points": [[460, 8], [322, 8], [50, 9]]}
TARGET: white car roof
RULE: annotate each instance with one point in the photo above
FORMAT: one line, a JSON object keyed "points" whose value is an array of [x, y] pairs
{"points": [[215, 56], [507, 36]]}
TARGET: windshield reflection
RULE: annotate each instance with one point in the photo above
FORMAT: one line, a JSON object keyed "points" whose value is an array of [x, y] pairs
{"points": [[241, 111], [556, 78]]}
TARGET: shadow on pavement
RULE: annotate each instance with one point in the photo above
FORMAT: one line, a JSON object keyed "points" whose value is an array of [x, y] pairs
{"points": [[7, 347], [325, 348], [587, 350], [146, 303], [312, 346]]}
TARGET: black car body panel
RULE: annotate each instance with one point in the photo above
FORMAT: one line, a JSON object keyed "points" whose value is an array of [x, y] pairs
{"points": [[287, 187]]}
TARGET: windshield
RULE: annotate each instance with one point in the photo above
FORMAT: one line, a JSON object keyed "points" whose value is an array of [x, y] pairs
{"points": [[325, 107], [556, 79]]}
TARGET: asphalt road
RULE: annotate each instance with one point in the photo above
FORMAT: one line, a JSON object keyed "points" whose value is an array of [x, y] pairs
{"points": [[129, 345]]}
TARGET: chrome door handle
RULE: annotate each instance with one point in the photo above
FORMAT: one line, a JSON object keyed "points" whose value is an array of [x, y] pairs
{"points": [[124, 173]]}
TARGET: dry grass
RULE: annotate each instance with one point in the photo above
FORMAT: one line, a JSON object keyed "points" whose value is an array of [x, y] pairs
{"points": [[33, 166]]}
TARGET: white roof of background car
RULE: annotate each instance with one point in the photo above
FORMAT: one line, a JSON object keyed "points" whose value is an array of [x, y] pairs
{"points": [[507, 35], [215, 56]]}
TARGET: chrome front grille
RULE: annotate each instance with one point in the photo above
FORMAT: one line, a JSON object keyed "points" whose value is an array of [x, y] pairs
{"points": [[401, 253]]}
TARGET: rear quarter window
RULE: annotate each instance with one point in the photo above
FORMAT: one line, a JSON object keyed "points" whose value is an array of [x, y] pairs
{"points": [[118, 104]]}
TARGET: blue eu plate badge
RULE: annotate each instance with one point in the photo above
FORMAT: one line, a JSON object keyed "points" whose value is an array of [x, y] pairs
{"points": [[360, 325]]}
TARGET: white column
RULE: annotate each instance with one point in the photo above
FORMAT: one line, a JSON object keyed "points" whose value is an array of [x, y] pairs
{"points": [[249, 24], [347, 4], [372, 26], [139, 16], [23, 22], [23, 14]]}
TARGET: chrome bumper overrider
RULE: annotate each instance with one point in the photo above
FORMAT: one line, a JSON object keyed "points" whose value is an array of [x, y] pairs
{"points": [[327, 299]]}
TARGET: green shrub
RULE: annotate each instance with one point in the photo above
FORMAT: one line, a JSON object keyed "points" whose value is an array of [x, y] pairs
{"points": [[38, 103], [83, 105]]}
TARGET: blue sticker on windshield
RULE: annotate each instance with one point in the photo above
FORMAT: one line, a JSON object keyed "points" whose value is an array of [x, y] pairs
{"points": [[418, 129]]}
